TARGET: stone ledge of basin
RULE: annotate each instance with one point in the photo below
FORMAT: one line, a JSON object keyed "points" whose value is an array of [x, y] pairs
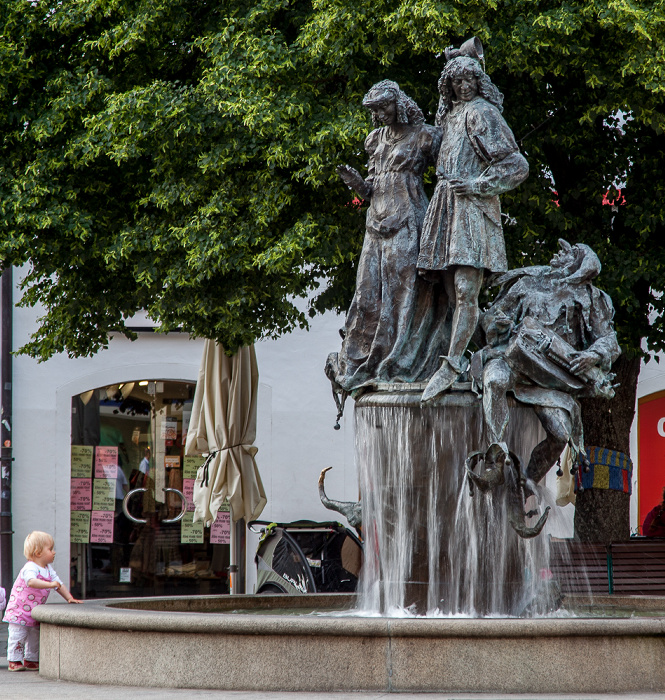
{"points": [[635, 602], [103, 615], [516, 628], [224, 603]]}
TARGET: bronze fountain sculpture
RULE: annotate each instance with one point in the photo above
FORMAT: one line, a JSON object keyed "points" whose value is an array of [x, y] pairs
{"points": [[546, 339]]}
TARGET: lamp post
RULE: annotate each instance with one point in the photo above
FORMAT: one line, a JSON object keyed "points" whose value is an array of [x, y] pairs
{"points": [[6, 531]]}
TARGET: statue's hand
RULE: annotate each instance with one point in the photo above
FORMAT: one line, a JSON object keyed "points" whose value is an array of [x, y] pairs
{"points": [[353, 179], [461, 186], [583, 361]]}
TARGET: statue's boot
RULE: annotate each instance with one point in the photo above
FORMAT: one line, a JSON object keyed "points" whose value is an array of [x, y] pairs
{"points": [[450, 370]]}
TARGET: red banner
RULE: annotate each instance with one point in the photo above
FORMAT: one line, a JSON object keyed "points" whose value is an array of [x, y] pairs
{"points": [[651, 450]]}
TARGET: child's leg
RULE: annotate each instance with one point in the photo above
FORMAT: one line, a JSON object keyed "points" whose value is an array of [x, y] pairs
{"points": [[31, 652], [16, 637]]}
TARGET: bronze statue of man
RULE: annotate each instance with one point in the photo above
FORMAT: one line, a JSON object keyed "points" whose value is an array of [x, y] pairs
{"points": [[462, 237], [550, 339]]}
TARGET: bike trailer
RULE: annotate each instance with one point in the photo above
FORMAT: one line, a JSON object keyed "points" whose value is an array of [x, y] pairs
{"points": [[306, 557]]}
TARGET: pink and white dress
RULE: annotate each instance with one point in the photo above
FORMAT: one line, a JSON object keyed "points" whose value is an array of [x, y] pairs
{"points": [[23, 598]]}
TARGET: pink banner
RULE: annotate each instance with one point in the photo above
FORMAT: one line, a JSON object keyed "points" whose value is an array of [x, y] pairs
{"points": [[81, 494], [188, 491], [101, 526], [106, 462], [220, 530]]}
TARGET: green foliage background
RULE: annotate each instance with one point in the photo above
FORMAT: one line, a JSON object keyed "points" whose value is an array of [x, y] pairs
{"points": [[178, 155]]}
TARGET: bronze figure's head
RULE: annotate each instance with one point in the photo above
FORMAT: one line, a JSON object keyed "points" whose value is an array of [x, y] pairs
{"points": [[388, 92], [466, 67]]}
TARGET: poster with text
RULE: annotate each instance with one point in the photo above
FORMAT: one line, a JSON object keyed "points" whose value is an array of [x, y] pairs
{"points": [[172, 462], [106, 462], [191, 532], [220, 530], [81, 461], [188, 492], [169, 429], [79, 529], [81, 494], [101, 527], [103, 494], [190, 466]]}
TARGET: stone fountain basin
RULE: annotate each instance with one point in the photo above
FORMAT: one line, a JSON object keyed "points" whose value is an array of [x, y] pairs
{"points": [[201, 642]]}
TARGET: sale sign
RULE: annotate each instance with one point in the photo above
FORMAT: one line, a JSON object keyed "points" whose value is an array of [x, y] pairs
{"points": [[106, 462], [81, 494], [101, 527]]}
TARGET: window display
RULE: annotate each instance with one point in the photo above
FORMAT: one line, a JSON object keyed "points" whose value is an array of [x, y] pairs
{"points": [[128, 445]]}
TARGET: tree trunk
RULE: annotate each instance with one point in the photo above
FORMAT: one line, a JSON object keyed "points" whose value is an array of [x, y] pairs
{"points": [[603, 515]]}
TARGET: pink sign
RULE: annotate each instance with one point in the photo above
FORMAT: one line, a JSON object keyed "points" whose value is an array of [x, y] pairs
{"points": [[101, 526], [220, 530], [106, 462], [188, 491], [81, 494]]}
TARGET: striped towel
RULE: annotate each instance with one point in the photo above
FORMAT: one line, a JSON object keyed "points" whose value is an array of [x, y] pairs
{"points": [[609, 469]]}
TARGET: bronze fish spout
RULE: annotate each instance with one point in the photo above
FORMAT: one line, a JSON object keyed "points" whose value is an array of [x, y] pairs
{"points": [[516, 499], [523, 530], [493, 473]]}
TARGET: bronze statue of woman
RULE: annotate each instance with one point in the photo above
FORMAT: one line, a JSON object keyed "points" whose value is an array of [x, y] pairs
{"points": [[394, 330]]}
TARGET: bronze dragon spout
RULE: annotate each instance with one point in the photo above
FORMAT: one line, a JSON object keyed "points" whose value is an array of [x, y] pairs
{"points": [[503, 468], [351, 510]]}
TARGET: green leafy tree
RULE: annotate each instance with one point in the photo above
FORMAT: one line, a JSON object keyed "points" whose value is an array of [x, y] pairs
{"points": [[179, 156]]}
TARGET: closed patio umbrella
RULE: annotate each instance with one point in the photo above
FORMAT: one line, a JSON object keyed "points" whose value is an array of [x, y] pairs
{"points": [[223, 425]]}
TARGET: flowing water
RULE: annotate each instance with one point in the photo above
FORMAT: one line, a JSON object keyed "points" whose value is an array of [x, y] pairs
{"points": [[430, 546]]}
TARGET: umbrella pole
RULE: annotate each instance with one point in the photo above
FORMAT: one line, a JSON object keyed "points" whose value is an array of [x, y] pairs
{"points": [[233, 558], [237, 555]]}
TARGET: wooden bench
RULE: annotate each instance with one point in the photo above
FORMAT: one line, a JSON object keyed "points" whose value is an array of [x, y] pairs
{"points": [[636, 567]]}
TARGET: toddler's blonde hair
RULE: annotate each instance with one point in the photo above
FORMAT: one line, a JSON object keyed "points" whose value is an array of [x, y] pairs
{"points": [[35, 543]]}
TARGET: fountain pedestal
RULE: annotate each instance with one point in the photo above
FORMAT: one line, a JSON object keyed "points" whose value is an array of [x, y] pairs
{"points": [[429, 546]]}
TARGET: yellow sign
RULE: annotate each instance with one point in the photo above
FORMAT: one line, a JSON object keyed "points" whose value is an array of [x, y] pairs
{"points": [[191, 466], [103, 494], [81, 461], [79, 530], [191, 532]]}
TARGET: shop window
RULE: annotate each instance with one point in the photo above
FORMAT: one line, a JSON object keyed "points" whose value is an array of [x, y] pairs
{"points": [[129, 439]]}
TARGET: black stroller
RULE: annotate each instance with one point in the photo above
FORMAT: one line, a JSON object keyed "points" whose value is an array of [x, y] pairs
{"points": [[306, 557]]}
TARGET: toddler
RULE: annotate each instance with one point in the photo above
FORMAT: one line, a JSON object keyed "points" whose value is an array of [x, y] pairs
{"points": [[31, 588]]}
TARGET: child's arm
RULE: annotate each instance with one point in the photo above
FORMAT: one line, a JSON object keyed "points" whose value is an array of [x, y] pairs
{"points": [[60, 587], [38, 583], [62, 590]]}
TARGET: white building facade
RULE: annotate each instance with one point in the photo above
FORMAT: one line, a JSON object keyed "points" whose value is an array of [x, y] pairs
{"points": [[295, 441], [295, 438]]}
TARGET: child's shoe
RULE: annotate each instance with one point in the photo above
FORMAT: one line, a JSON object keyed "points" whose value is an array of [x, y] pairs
{"points": [[31, 665], [15, 666]]}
